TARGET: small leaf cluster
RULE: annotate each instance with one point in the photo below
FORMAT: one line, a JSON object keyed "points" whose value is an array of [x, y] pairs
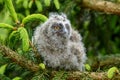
{"points": [[2, 72], [39, 4], [112, 72], [61, 75], [18, 37], [19, 32]]}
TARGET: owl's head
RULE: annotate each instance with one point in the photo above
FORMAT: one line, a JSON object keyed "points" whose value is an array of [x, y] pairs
{"points": [[59, 26]]}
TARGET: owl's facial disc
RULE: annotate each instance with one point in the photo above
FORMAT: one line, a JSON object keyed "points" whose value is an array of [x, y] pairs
{"points": [[59, 29]]}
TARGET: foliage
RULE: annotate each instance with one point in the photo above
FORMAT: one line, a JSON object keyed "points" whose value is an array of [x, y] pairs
{"points": [[87, 67], [61, 75], [111, 72], [2, 69], [24, 37], [42, 66], [16, 78], [18, 19]]}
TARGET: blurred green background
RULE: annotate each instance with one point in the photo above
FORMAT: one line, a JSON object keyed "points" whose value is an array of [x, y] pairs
{"points": [[100, 31]]}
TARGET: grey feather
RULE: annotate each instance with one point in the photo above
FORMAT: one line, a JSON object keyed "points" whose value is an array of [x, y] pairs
{"points": [[59, 44]]}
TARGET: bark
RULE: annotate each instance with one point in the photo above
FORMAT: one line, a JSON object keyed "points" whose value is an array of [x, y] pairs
{"points": [[104, 6]]}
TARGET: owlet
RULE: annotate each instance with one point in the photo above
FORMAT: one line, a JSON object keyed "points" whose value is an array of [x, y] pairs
{"points": [[59, 45]]}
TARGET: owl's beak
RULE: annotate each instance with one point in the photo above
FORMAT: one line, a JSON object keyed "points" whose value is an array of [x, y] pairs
{"points": [[62, 34], [65, 31]]}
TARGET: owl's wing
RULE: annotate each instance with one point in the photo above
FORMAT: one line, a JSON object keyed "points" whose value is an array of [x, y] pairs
{"points": [[78, 50], [75, 36]]}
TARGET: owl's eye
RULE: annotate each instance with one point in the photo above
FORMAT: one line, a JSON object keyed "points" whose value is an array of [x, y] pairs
{"points": [[56, 28]]}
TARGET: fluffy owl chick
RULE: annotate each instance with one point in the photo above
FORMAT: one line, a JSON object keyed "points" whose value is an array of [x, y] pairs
{"points": [[59, 45]]}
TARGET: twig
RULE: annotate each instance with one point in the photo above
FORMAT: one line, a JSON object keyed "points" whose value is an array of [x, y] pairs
{"points": [[20, 60], [100, 5]]}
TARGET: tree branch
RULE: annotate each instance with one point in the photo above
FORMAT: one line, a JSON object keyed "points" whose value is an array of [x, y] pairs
{"points": [[100, 5], [77, 75], [91, 75], [20, 60], [106, 63]]}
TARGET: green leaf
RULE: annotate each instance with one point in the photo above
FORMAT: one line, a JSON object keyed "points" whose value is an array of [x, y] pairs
{"points": [[30, 3], [87, 67], [39, 5], [4, 77], [3, 68], [4, 33], [47, 2], [17, 78], [57, 4], [27, 12], [60, 75], [19, 1], [6, 26], [12, 34], [41, 75], [11, 10], [33, 17], [25, 39], [113, 21], [111, 72], [86, 24], [13, 39], [42, 66], [25, 4]]}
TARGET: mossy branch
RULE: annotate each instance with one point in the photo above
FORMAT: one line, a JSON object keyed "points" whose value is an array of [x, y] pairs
{"points": [[20, 60], [100, 5], [108, 62], [91, 76], [12, 10]]}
